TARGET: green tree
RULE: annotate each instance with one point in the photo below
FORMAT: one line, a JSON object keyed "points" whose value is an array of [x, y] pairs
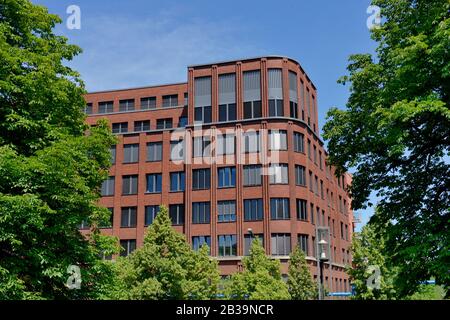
{"points": [[367, 250], [51, 170], [260, 280], [165, 267], [428, 292], [300, 284], [395, 134]]}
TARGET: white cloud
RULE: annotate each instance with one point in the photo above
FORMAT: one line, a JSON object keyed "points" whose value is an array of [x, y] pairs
{"points": [[123, 51]]}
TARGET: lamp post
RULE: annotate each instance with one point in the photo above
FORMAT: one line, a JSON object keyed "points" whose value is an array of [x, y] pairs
{"points": [[250, 232], [322, 259]]}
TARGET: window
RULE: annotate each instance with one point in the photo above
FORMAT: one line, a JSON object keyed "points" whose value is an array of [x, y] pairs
{"points": [[121, 127], [227, 177], [252, 175], [131, 153], [227, 97], [311, 182], [227, 112], [248, 240], [112, 151], [148, 103], [300, 175], [309, 149], [186, 99], [126, 105], [225, 144], [154, 151], [342, 231], [128, 217], [277, 140], [142, 125], [129, 184], [276, 108], [164, 123], [227, 245], [170, 101], [182, 121], [302, 98], [201, 146], [293, 97], [321, 190], [201, 212], [106, 107], [320, 160], [226, 211], [150, 214], [201, 179], [281, 244], [279, 208], [308, 104], [252, 94], [298, 142], [316, 185], [302, 210], [176, 213], [293, 109], [278, 174], [199, 241], [177, 181], [253, 209], [177, 150], [315, 154], [252, 141], [128, 246], [154, 182], [303, 243], [108, 223], [88, 108], [314, 249], [332, 200], [202, 100], [275, 93], [346, 232], [252, 110], [202, 114], [311, 210], [108, 187]]}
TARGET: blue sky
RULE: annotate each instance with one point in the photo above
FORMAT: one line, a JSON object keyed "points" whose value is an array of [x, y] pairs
{"points": [[144, 42]]}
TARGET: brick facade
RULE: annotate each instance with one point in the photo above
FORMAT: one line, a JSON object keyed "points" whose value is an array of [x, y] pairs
{"points": [[336, 209]]}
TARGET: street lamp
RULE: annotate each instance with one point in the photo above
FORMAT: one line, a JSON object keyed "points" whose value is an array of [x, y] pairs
{"points": [[322, 259], [250, 232]]}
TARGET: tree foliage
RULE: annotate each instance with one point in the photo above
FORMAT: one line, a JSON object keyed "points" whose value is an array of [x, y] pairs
{"points": [[51, 171], [368, 250], [428, 292], [300, 284], [260, 279], [165, 267], [395, 133]]}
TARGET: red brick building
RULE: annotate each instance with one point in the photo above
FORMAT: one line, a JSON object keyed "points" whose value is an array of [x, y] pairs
{"points": [[254, 167]]}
